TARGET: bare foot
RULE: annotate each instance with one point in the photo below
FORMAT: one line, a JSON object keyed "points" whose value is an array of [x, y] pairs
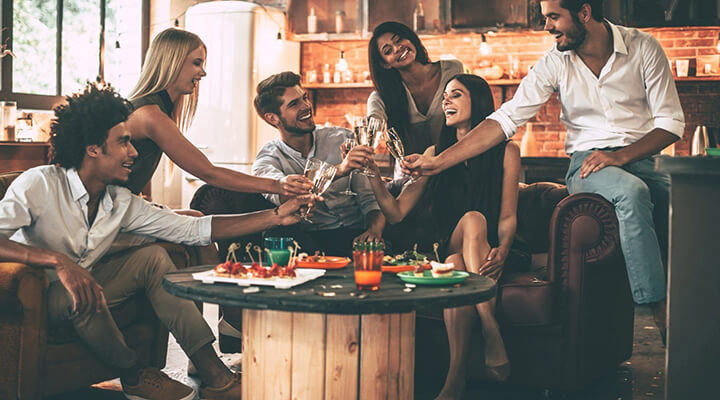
{"points": [[497, 364]]}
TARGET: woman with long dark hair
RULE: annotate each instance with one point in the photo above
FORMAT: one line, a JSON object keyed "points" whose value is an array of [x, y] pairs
{"points": [[472, 215], [408, 86]]}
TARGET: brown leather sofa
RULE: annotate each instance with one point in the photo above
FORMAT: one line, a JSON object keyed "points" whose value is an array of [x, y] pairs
{"points": [[565, 324], [36, 361]]}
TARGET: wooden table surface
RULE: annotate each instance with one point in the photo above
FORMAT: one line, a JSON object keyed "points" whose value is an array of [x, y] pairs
{"points": [[347, 300]]}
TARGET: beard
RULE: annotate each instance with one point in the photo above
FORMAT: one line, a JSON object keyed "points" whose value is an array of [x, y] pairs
{"points": [[294, 129], [574, 37]]}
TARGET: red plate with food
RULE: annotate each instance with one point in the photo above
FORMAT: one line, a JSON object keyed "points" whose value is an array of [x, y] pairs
{"points": [[318, 261]]}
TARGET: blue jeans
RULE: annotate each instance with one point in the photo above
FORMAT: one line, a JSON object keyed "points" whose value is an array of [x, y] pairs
{"points": [[637, 191]]}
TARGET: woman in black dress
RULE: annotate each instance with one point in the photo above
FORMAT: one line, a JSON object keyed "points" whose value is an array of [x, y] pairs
{"points": [[470, 210]]}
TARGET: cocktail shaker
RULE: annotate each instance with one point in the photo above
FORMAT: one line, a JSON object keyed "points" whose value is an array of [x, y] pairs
{"points": [[699, 141]]}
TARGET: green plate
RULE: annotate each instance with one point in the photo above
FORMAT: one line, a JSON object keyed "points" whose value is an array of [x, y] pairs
{"points": [[427, 278], [711, 151]]}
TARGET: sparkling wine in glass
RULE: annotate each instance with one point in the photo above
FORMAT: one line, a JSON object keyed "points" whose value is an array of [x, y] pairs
{"points": [[321, 174], [395, 147], [349, 143]]}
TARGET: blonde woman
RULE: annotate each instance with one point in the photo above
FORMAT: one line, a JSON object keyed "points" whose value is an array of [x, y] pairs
{"points": [[165, 99]]}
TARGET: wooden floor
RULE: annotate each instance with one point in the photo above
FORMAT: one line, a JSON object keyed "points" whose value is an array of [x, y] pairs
{"points": [[640, 378]]}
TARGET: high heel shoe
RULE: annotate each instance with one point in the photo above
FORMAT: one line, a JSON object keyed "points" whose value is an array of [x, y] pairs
{"points": [[499, 373]]}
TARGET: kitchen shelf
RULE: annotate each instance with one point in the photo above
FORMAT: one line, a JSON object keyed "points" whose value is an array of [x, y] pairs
{"points": [[363, 85]]}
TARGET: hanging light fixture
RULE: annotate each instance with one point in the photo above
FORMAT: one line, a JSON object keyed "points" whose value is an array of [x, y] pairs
{"points": [[484, 46], [342, 64]]}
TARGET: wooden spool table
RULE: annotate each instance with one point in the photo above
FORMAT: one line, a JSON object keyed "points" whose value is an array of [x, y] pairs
{"points": [[299, 344]]}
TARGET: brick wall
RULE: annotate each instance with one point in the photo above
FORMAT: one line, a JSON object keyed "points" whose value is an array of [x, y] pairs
{"points": [[700, 99]]}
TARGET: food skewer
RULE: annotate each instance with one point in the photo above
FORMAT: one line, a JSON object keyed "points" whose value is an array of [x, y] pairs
{"points": [[249, 253]]}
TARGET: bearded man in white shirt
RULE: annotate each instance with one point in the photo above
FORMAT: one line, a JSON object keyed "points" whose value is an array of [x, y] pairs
{"points": [[64, 218], [621, 108]]}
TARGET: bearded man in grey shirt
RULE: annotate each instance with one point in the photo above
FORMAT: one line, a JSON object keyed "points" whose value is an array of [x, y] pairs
{"points": [[340, 219]]}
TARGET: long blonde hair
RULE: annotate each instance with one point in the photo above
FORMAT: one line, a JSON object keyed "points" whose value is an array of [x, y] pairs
{"points": [[163, 62]]}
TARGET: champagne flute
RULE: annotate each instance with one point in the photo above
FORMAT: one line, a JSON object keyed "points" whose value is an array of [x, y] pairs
{"points": [[396, 148], [321, 175], [366, 135], [348, 144]]}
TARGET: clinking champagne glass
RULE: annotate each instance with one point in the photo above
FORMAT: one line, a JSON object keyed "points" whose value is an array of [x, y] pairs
{"points": [[367, 135], [349, 143], [321, 175], [396, 148]]}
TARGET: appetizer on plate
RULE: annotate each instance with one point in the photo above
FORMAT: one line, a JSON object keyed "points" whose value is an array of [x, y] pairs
{"points": [[442, 270]]}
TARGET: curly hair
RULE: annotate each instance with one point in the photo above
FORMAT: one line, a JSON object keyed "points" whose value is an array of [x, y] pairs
{"points": [[84, 120], [271, 89]]}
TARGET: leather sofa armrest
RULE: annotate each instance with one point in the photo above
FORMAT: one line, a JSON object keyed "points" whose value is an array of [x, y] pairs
{"points": [[23, 300], [585, 261]]}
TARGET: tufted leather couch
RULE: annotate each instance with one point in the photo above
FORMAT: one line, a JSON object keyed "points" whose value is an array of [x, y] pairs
{"points": [[565, 323], [36, 361]]}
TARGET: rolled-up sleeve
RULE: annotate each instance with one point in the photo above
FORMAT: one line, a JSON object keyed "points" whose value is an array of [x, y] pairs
{"points": [[143, 218], [267, 165], [660, 89], [534, 90], [365, 195]]}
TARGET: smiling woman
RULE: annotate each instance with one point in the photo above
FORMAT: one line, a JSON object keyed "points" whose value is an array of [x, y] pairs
{"points": [[164, 101], [408, 87]]}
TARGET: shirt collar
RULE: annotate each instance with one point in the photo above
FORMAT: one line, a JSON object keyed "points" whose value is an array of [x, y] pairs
{"points": [[618, 41], [78, 191], [296, 154], [77, 188]]}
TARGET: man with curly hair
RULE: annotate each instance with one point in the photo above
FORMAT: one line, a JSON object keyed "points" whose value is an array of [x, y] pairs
{"points": [[64, 217]]}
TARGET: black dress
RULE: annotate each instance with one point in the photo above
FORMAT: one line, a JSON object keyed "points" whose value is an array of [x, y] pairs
{"points": [[149, 153]]}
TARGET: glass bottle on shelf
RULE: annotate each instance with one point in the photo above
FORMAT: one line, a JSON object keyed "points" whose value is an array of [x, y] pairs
{"points": [[326, 73], [418, 17], [312, 21]]}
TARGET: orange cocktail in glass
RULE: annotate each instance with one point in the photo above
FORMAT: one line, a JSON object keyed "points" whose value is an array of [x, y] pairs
{"points": [[367, 259]]}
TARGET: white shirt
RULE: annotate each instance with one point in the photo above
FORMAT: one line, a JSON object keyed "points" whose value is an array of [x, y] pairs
{"points": [[634, 94], [46, 207]]}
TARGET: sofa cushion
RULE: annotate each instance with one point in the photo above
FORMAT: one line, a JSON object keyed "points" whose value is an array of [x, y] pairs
{"points": [[525, 300]]}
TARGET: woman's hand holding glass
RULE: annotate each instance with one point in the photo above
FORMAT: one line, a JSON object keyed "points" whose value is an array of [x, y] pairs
{"points": [[294, 185], [396, 148]]}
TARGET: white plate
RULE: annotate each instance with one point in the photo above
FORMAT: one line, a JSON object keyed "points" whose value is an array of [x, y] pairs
{"points": [[302, 276]]}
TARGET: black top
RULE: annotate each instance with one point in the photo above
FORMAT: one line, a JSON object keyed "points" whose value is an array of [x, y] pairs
{"points": [[306, 298], [149, 153]]}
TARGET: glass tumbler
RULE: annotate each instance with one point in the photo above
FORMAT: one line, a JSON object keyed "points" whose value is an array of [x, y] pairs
{"points": [[279, 249], [367, 260]]}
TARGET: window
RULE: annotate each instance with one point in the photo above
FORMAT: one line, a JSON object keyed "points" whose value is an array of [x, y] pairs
{"points": [[61, 44]]}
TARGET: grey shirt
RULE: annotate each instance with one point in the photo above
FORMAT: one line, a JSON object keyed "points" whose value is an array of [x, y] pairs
{"points": [[276, 159]]}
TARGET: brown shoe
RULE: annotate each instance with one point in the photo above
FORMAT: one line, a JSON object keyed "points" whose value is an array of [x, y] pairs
{"points": [[153, 384], [232, 390]]}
